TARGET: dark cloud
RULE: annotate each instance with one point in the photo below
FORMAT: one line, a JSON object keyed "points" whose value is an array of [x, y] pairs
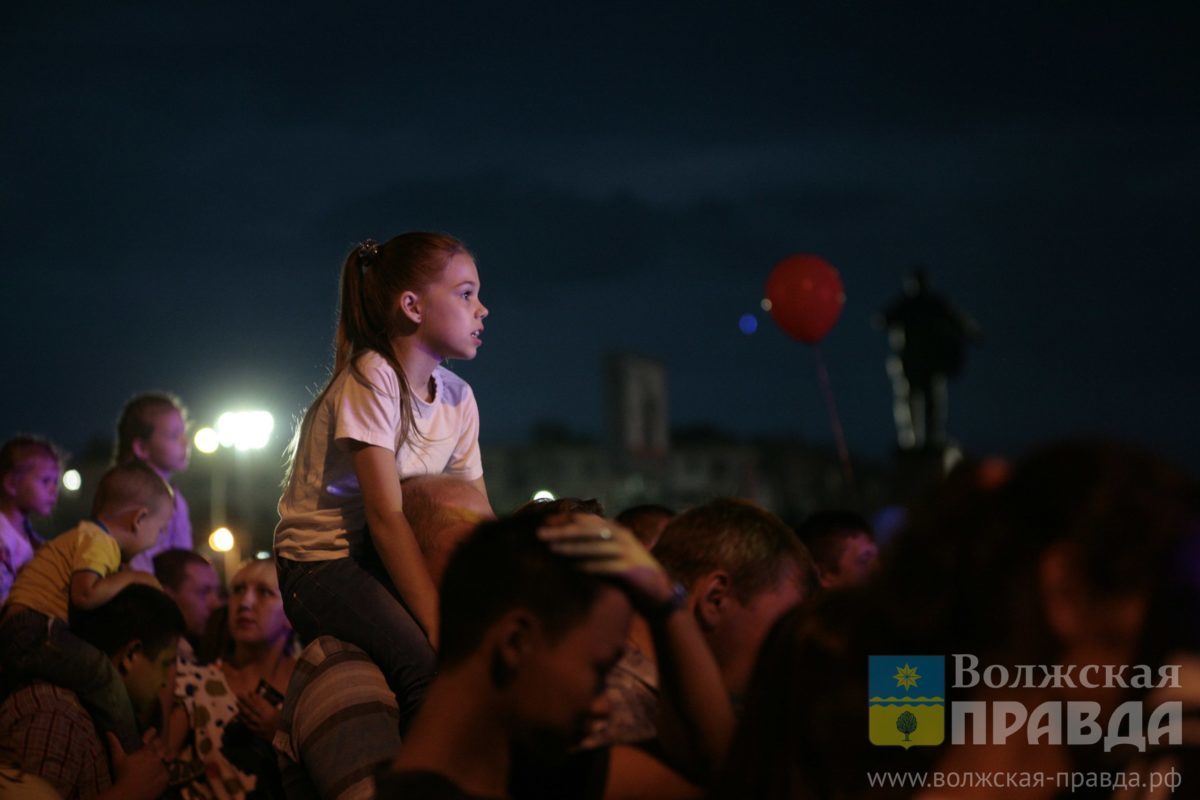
{"points": [[180, 185]]}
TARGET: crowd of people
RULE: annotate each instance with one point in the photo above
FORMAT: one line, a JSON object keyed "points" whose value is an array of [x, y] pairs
{"points": [[406, 641]]}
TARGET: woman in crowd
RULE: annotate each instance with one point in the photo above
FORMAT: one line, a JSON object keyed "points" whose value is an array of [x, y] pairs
{"points": [[227, 711]]}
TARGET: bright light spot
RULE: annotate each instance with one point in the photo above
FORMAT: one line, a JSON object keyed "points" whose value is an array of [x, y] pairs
{"points": [[748, 324], [72, 480], [221, 540], [952, 455], [207, 440], [543, 494], [765, 304], [245, 430], [262, 555]]}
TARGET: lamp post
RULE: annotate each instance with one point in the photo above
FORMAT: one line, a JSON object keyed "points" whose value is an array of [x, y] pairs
{"points": [[240, 431]]}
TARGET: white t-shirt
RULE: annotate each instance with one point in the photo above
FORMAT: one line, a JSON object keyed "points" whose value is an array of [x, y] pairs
{"points": [[321, 511], [15, 552]]}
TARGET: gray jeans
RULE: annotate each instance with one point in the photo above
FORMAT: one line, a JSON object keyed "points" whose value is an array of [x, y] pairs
{"points": [[353, 599]]}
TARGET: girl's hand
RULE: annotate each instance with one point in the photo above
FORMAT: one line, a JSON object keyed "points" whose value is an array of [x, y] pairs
{"points": [[604, 547], [260, 716]]}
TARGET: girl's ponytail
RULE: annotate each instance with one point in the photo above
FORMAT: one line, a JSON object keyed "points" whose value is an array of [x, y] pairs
{"points": [[355, 328], [373, 277]]}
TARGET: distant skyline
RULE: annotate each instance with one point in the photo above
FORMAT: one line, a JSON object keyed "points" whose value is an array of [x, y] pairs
{"points": [[180, 185]]}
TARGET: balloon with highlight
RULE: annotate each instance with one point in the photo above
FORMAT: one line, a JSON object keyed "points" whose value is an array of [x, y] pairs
{"points": [[806, 297]]}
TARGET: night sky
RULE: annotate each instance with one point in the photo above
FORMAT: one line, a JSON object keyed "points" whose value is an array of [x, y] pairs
{"points": [[181, 181]]}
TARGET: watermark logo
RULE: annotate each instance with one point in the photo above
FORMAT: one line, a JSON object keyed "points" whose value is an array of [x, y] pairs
{"points": [[907, 700]]}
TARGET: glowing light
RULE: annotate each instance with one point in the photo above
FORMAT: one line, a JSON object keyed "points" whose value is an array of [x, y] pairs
{"points": [[765, 304], [245, 430], [748, 324], [951, 457], [72, 480], [262, 555], [221, 540], [543, 494], [206, 440]]}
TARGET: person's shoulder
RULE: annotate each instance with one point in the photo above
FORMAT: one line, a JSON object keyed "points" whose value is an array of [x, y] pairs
{"points": [[7, 528], [339, 669], [88, 534], [372, 370], [81, 535], [324, 648], [454, 388], [43, 698], [419, 785]]}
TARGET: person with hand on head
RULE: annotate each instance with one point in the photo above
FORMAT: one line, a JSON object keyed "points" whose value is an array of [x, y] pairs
{"points": [[534, 612], [742, 567], [349, 563], [227, 712], [48, 733], [82, 569]]}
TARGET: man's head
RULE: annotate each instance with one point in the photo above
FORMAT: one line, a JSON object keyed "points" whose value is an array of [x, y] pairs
{"points": [[190, 580], [647, 522], [541, 635], [743, 567], [138, 630], [135, 503], [442, 510], [843, 546]]}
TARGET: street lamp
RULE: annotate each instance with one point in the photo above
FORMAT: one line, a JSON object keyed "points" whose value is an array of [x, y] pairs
{"points": [[221, 540], [240, 431], [207, 440], [245, 430], [72, 480]]}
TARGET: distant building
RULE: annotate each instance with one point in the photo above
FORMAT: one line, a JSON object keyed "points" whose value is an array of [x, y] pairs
{"points": [[643, 460]]}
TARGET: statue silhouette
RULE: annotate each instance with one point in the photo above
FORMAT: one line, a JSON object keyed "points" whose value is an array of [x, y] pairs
{"points": [[929, 338]]}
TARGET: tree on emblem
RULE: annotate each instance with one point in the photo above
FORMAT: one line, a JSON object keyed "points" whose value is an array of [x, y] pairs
{"points": [[906, 723]]}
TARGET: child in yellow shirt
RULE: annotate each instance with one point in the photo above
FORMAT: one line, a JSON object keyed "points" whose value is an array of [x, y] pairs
{"points": [[82, 568]]}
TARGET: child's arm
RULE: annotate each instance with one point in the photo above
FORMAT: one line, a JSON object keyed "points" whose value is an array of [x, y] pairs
{"points": [[89, 590], [393, 536]]}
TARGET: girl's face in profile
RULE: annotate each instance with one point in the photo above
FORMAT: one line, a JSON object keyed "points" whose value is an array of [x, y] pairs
{"points": [[451, 313], [255, 606], [168, 449]]}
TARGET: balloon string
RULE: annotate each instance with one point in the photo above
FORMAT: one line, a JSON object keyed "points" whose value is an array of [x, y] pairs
{"points": [[834, 419]]}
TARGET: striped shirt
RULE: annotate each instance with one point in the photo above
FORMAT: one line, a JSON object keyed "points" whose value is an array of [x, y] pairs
{"points": [[339, 722]]}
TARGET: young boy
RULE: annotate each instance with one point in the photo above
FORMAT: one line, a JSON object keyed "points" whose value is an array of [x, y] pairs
{"points": [[153, 428], [82, 569], [29, 472]]}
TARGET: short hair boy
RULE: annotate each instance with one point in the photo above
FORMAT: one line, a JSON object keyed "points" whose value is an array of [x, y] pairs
{"points": [[81, 569], [48, 734]]}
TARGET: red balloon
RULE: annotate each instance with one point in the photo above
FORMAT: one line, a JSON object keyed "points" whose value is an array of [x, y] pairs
{"points": [[806, 297]]}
